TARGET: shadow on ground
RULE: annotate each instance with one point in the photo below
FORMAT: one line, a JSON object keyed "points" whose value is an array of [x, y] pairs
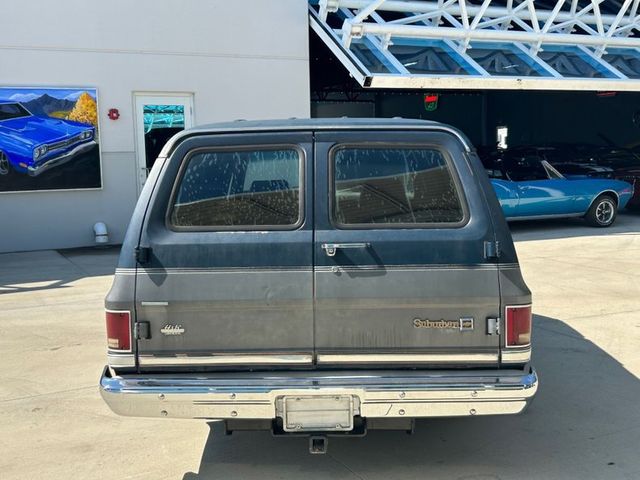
{"points": [[584, 423], [627, 223], [49, 269]]}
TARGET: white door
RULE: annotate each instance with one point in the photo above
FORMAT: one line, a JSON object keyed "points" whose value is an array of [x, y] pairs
{"points": [[158, 117]]}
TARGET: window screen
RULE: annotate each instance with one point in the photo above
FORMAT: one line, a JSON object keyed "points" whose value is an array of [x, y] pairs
{"points": [[394, 186], [245, 188]]}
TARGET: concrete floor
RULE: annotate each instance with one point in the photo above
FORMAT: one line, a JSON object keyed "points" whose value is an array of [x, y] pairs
{"points": [[584, 423]]}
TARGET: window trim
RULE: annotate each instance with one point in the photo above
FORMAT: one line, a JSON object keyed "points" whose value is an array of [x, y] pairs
{"points": [[455, 175], [184, 162]]}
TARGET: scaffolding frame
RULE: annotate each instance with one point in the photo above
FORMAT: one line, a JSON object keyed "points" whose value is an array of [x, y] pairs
{"points": [[578, 31]]}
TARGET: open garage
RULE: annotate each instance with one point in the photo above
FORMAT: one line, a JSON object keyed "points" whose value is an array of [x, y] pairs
{"points": [[525, 82]]}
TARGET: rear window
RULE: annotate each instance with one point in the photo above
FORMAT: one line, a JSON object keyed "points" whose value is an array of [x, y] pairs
{"points": [[12, 110], [239, 189], [394, 186]]}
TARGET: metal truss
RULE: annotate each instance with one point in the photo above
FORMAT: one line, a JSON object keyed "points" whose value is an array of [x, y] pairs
{"points": [[558, 44]]}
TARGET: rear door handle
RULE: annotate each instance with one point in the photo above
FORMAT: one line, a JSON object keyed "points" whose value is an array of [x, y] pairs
{"points": [[331, 248]]}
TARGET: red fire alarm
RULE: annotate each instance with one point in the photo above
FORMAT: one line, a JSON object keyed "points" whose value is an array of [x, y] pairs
{"points": [[114, 114]]}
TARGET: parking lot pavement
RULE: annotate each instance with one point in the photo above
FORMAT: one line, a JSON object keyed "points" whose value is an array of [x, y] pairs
{"points": [[584, 423]]}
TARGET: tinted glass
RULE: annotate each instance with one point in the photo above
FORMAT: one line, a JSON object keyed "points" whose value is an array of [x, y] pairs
{"points": [[626, 61], [505, 60], [394, 186], [370, 57], [573, 63], [12, 110], [429, 58], [253, 188], [525, 169]]}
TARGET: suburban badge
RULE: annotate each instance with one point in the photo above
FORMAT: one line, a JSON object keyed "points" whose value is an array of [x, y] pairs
{"points": [[442, 324], [169, 330]]}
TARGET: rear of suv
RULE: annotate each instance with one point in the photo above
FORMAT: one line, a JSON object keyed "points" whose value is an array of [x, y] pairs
{"points": [[318, 276]]}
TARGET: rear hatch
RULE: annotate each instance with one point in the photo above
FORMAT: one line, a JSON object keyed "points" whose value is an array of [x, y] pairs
{"points": [[229, 282], [378, 263], [401, 277]]}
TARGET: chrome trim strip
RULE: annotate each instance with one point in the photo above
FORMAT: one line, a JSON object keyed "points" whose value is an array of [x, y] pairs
{"points": [[154, 304], [241, 359], [409, 267], [125, 271], [411, 394], [602, 193], [544, 217], [76, 139], [357, 358], [221, 271], [516, 356]]}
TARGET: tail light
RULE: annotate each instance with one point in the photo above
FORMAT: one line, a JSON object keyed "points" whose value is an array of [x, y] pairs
{"points": [[119, 330], [518, 325]]}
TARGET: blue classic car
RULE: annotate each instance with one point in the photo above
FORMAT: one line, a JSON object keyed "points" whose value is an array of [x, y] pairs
{"points": [[32, 144], [530, 189]]}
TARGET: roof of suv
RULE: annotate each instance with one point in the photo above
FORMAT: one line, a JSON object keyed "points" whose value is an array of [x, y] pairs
{"points": [[300, 124]]}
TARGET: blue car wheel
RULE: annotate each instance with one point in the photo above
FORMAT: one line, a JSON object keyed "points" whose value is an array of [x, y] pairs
{"points": [[5, 167], [603, 211]]}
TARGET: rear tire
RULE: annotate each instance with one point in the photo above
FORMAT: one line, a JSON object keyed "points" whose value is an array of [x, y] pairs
{"points": [[603, 212]]}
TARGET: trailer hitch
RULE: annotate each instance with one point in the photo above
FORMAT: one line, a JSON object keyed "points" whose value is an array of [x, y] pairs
{"points": [[318, 444]]}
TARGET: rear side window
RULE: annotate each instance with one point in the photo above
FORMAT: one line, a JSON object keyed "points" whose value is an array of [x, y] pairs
{"points": [[239, 189], [394, 186]]}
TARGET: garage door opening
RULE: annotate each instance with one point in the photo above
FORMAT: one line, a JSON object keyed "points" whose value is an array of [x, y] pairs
{"points": [[533, 113], [532, 117]]}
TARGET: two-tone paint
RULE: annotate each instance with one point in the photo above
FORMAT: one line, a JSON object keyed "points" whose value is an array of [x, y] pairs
{"points": [[318, 301]]}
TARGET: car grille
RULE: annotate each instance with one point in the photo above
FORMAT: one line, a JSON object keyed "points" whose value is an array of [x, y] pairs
{"points": [[64, 143]]}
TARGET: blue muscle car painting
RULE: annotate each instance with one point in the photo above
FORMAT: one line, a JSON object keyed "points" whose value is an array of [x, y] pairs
{"points": [[532, 189], [48, 139]]}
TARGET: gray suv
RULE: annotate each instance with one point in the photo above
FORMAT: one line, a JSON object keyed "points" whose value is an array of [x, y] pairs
{"points": [[318, 276]]}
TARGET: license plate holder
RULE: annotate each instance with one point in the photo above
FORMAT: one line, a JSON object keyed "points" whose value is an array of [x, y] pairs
{"points": [[319, 413]]}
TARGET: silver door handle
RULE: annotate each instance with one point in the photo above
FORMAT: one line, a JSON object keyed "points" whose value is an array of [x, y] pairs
{"points": [[331, 248]]}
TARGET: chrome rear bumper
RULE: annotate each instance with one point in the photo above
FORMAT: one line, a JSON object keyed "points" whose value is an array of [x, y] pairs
{"points": [[377, 394]]}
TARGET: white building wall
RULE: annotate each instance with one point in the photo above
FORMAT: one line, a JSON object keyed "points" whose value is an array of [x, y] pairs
{"points": [[240, 59]]}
